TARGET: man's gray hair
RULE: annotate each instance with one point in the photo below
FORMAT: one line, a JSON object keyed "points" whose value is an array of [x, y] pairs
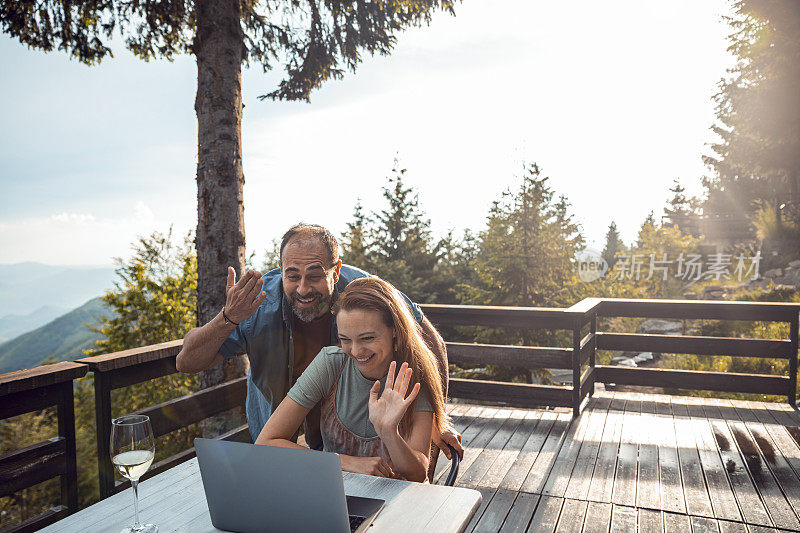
{"points": [[315, 231]]}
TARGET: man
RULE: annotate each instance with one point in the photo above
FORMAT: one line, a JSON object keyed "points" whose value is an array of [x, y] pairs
{"points": [[282, 320]]}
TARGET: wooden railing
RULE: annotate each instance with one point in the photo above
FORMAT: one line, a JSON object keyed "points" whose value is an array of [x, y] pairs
{"points": [[31, 390], [577, 358], [122, 369], [715, 346]]}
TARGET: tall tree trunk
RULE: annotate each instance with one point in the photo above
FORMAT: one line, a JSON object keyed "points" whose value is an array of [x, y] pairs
{"points": [[219, 48]]}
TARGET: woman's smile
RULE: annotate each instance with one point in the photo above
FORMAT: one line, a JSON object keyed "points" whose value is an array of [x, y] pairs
{"points": [[366, 339]]}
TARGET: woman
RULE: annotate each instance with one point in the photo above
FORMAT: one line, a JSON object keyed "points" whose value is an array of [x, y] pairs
{"points": [[368, 415]]}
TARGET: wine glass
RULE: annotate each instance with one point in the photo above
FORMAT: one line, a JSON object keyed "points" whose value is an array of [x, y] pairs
{"points": [[132, 452]]}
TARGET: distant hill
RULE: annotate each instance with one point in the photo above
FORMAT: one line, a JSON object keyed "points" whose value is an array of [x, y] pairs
{"points": [[14, 325], [64, 338], [26, 287]]}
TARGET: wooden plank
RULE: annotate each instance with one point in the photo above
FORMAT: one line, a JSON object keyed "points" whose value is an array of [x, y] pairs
{"points": [[694, 484], [527, 356], [495, 514], [499, 317], [529, 450], [581, 477], [40, 376], [472, 475], [486, 498], [461, 423], [676, 523], [426, 502], [588, 346], [602, 483], [186, 410], [794, 339], [39, 521], [519, 394], [164, 490], [761, 473], [558, 479], [731, 527], [720, 492], [712, 309], [548, 456], [508, 455], [521, 513], [728, 346], [625, 475], [572, 515], [473, 449], [750, 504], [691, 379], [648, 484], [784, 444], [623, 519], [546, 516], [27, 401], [32, 465], [598, 518], [703, 525], [470, 428], [130, 375], [451, 512], [669, 468], [65, 414], [132, 357], [650, 521], [586, 308]]}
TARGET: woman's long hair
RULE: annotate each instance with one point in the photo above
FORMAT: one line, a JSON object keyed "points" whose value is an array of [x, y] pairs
{"points": [[375, 294]]}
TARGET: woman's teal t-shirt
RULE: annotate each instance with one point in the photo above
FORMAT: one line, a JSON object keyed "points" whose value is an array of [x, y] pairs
{"points": [[352, 396]]}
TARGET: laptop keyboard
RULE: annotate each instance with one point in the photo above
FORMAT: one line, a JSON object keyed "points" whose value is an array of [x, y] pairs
{"points": [[356, 521]]}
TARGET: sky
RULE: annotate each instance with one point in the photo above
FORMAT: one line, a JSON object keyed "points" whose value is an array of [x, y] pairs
{"points": [[613, 100]]}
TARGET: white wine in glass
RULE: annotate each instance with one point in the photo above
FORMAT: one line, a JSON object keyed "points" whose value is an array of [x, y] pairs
{"points": [[132, 451]]}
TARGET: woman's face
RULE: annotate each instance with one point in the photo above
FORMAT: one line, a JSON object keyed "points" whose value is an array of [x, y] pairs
{"points": [[366, 339]]}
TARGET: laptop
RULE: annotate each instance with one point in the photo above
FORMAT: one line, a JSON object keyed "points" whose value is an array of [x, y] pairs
{"points": [[253, 489]]}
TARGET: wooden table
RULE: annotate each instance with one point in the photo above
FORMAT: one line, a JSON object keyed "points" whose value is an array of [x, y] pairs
{"points": [[175, 501]]}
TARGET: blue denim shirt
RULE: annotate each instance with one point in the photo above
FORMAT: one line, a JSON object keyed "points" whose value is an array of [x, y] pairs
{"points": [[266, 337]]}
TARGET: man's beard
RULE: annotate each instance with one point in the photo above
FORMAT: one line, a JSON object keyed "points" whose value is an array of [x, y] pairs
{"points": [[307, 314]]}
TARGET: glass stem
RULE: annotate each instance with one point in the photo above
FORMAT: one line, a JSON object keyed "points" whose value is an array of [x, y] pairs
{"points": [[135, 485]]}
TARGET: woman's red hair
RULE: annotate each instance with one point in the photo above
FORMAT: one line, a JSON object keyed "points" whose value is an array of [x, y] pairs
{"points": [[375, 294]]}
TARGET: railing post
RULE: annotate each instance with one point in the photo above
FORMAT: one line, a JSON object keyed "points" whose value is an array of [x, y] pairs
{"points": [[102, 399], [576, 368], [66, 429], [593, 332], [792, 396]]}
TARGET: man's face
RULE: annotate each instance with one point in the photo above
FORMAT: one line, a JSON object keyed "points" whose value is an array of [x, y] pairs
{"points": [[308, 277]]}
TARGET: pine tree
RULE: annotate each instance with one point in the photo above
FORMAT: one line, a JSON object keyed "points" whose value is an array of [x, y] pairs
{"points": [[525, 257], [403, 250], [649, 224], [613, 245], [355, 243], [758, 115], [678, 205]]}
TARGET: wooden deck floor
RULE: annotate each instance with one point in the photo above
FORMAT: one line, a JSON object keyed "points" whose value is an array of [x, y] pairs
{"points": [[633, 462]]}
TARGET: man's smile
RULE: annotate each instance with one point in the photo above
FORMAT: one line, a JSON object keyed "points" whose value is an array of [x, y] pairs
{"points": [[307, 301]]}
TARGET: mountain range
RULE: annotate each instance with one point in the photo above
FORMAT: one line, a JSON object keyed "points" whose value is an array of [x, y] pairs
{"points": [[64, 338], [13, 325], [26, 287]]}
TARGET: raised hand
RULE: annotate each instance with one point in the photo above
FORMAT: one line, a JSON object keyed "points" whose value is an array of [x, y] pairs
{"points": [[386, 411], [244, 296]]}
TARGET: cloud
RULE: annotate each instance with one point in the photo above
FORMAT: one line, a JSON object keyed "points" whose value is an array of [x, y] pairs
{"points": [[68, 238]]}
